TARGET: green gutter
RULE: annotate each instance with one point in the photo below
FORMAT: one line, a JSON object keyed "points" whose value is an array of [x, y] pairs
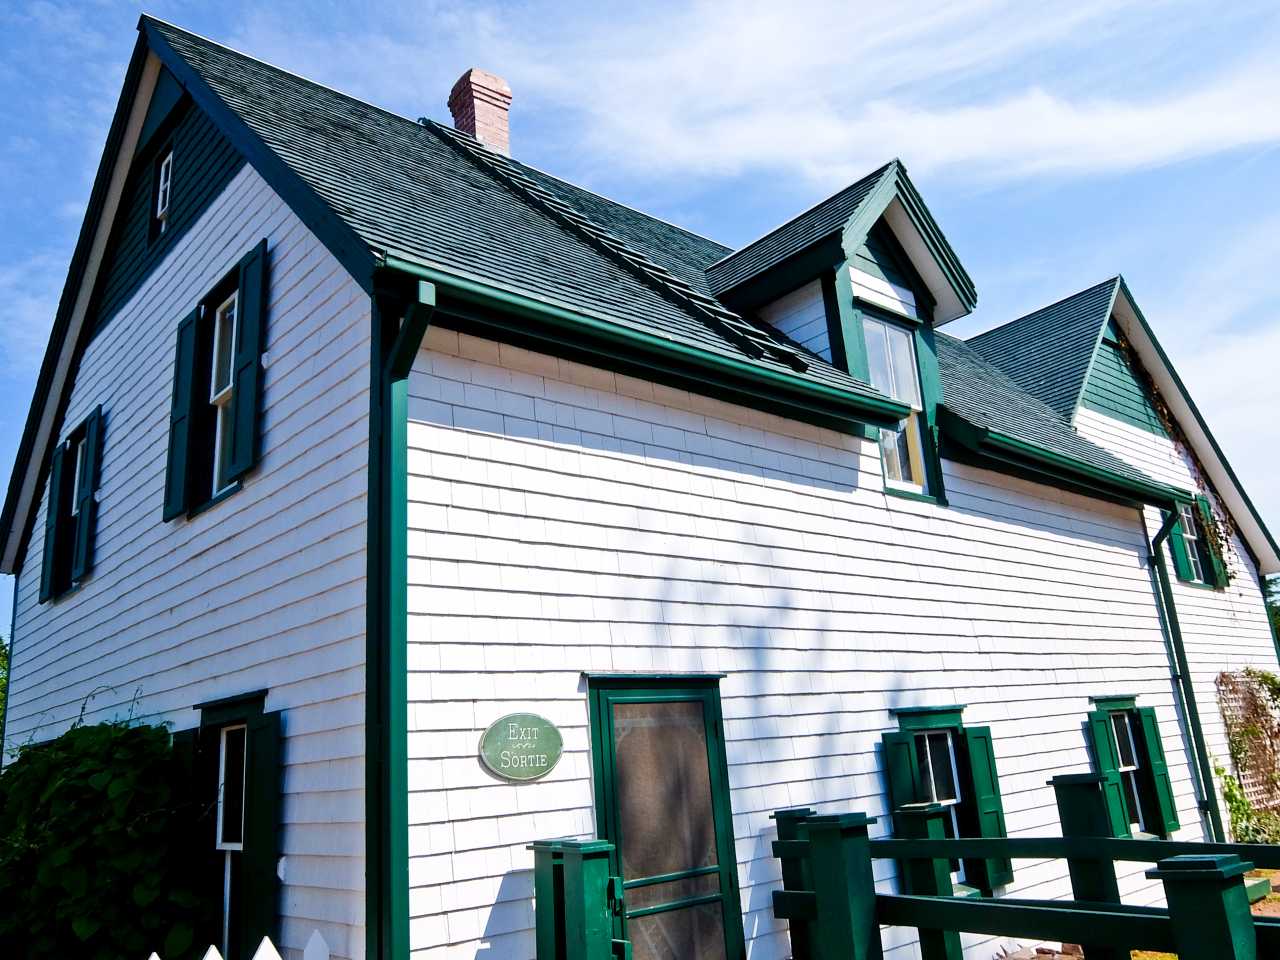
{"points": [[1202, 769], [394, 344], [1002, 447], [712, 369]]}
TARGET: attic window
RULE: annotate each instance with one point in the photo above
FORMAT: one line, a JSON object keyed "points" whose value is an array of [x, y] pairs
{"points": [[163, 193], [891, 361]]}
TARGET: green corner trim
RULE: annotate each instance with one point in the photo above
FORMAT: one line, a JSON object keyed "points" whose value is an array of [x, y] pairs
{"points": [[401, 316]]}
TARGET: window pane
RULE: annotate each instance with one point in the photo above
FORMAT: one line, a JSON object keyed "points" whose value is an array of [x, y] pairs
{"points": [[878, 356], [895, 464], [940, 756], [663, 784], [925, 768], [75, 456], [1133, 806], [679, 934], [902, 356], [231, 787], [224, 345], [905, 466], [1124, 742], [223, 453]]}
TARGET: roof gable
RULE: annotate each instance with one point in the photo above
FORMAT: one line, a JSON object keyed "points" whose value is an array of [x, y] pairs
{"points": [[1049, 352], [887, 194]]}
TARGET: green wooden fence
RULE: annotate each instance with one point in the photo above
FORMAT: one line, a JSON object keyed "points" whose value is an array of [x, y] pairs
{"points": [[834, 911]]}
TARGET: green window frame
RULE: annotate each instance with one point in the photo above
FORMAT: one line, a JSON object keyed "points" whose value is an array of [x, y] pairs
{"points": [[215, 433], [1196, 557], [980, 810], [606, 691], [241, 872], [71, 515], [848, 318], [1128, 753]]}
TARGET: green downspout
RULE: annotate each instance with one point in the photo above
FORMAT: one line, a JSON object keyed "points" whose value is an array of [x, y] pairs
{"points": [[394, 344], [1202, 770]]}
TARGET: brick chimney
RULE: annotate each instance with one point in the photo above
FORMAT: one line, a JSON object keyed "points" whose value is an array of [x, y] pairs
{"points": [[480, 103]]}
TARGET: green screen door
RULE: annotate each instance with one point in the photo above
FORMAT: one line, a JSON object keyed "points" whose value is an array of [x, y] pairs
{"points": [[662, 799]]}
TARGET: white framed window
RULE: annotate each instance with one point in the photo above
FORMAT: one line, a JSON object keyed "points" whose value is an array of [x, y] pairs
{"points": [[164, 191], [221, 385], [1128, 766], [891, 358], [940, 781], [1190, 532], [75, 455], [232, 757]]}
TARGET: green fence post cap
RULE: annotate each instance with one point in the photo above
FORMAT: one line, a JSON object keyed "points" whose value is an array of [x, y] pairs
{"points": [[793, 813], [1076, 778], [1221, 866], [842, 820], [586, 847]]}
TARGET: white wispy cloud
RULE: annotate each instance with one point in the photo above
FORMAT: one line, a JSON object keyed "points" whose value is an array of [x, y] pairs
{"points": [[824, 90]]}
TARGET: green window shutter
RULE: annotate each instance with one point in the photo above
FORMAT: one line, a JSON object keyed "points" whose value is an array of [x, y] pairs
{"points": [[52, 527], [1157, 770], [87, 508], [247, 399], [1217, 566], [177, 485], [1107, 765], [260, 905], [1178, 548], [987, 809], [901, 771]]}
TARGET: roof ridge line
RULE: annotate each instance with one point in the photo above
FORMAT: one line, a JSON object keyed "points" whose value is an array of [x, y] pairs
{"points": [[882, 169], [750, 339], [1118, 278]]}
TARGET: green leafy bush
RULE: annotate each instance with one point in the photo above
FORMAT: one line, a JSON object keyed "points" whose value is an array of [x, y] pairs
{"points": [[1248, 825], [98, 848]]}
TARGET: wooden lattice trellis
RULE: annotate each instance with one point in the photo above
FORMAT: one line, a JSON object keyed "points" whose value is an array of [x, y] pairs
{"points": [[1253, 732]]}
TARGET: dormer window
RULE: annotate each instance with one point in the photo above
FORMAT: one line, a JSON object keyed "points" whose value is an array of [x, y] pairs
{"points": [[891, 362], [163, 193]]}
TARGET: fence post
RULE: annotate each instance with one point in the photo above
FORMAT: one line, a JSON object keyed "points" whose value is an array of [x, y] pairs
{"points": [[1084, 812], [1208, 906], [588, 920], [927, 876], [548, 898], [840, 867], [794, 873]]}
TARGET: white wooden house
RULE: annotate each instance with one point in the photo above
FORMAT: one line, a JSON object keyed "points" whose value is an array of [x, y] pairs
{"points": [[355, 435]]}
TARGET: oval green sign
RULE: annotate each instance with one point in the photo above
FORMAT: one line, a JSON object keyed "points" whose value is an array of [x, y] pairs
{"points": [[521, 746]]}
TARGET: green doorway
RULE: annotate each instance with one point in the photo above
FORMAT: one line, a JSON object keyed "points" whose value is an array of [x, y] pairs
{"points": [[662, 799]]}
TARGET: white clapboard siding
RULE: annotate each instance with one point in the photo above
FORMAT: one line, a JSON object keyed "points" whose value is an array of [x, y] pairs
{"points": [[802, 316], [564, 519], [264, 590], [1222, 629]]}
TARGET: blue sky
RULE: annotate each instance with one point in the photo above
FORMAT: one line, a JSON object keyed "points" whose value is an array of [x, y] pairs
{"points": [[1055, 147]]}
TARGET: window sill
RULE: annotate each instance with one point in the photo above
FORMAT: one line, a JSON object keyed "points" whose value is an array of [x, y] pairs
{"points": [[905, 494], [214, 501], [963, 891], [1197, 585]]}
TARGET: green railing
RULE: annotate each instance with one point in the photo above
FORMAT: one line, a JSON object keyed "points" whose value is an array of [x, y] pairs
{"points": [[829, 893]]}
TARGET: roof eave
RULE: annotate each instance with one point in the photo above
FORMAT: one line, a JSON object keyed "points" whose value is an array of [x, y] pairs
{"points": [[1077, 473], [28, 465], [1175, 394], [805, 399]]}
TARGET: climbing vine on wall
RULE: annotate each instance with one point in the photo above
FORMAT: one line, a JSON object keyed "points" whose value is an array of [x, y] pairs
{"points": [[1250, 705]]}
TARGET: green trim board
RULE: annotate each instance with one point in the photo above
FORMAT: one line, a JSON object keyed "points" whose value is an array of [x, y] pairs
{"points": [[402, 310], [604, 694], [928, 718], [703, 371]]}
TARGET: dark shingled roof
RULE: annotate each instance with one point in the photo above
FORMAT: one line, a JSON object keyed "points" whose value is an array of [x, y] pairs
{"points": [[980, 393], [433, 195], [428, 192], [816, 223], [1047, 353]]}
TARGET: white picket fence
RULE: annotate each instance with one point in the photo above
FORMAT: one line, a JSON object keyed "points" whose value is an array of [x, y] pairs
{"points": [[316, 949]]}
